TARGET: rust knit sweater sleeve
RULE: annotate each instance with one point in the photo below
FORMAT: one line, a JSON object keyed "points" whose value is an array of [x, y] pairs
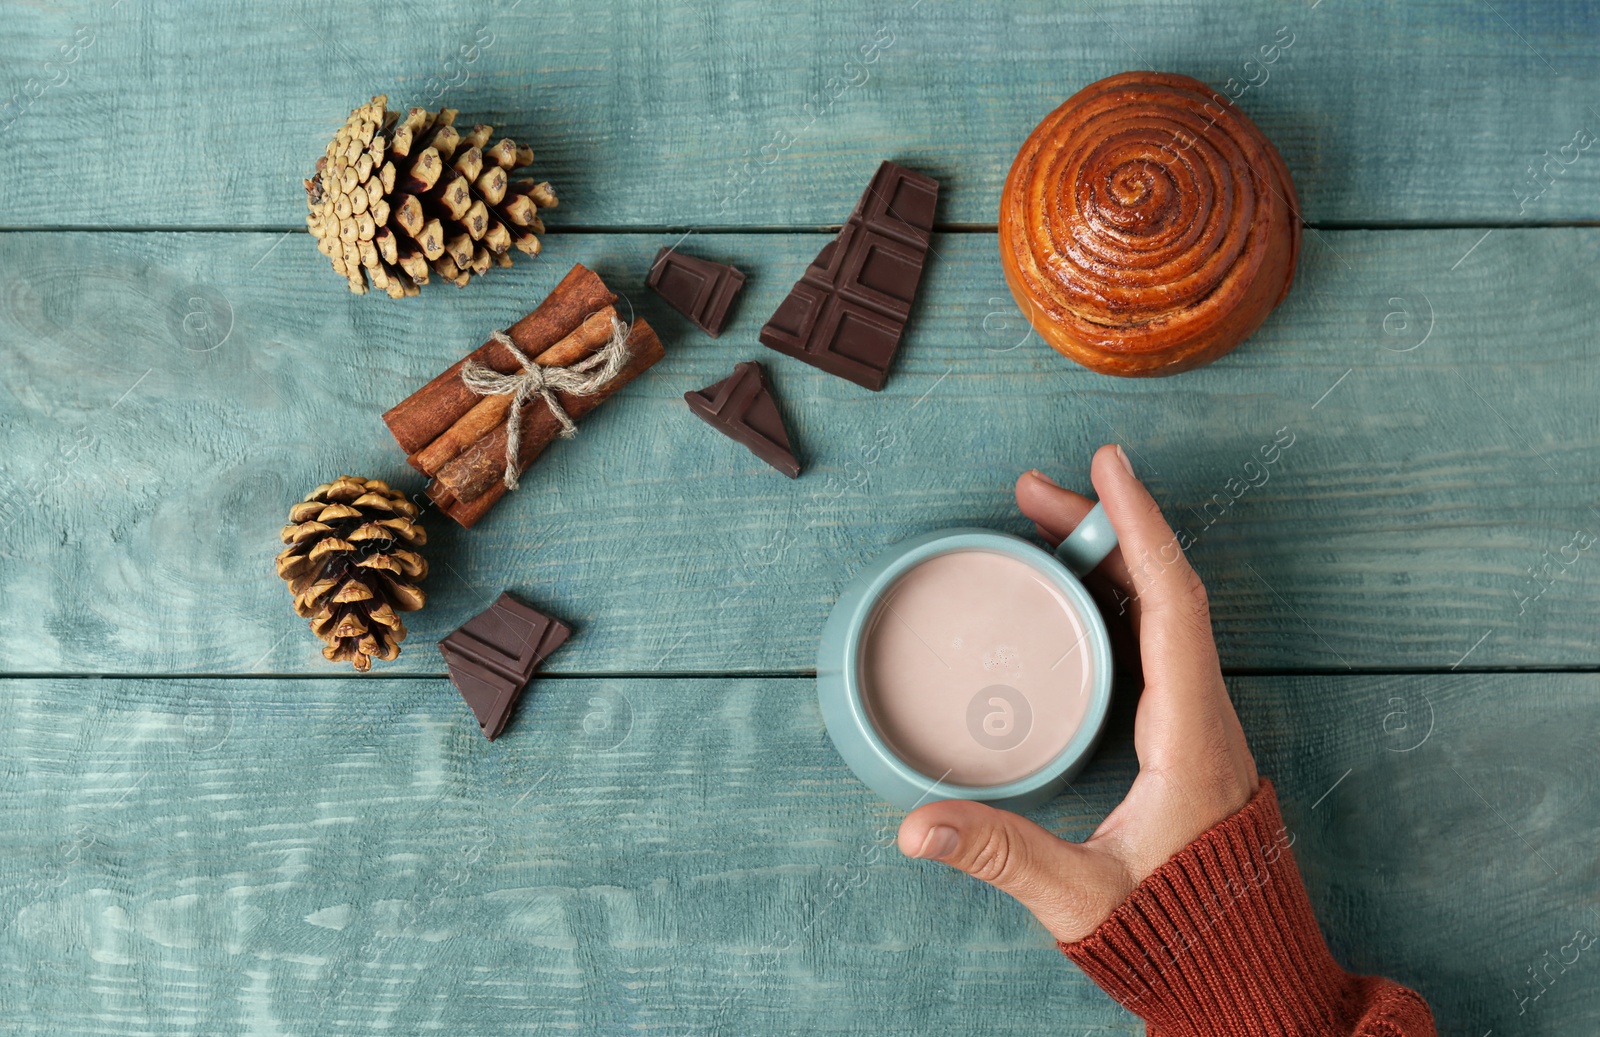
{"points": [[1221, 940]]}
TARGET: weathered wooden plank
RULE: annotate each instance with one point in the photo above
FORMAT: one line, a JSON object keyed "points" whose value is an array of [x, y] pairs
{"points": [[167, 397], [690, 856], [742, 114]]}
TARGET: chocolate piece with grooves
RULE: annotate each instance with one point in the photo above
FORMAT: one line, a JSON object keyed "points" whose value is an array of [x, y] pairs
{"points": [[743, 408], [492, 657], [699, 289], [848, 311]]}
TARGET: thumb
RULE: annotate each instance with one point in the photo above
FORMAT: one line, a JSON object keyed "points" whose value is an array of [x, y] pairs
{"points": [[1070, 887]]}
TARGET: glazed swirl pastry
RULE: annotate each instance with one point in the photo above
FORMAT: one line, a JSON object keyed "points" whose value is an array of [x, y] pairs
{"points": [[1147, 227]]}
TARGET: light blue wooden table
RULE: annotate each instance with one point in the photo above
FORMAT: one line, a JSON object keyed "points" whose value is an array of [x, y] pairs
{"points": [[204, 829]]}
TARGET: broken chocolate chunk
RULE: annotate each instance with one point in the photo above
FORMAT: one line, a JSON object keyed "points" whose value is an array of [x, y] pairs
{"points": [[699, 289], [492, 657], [743, 408], [849, 309]]}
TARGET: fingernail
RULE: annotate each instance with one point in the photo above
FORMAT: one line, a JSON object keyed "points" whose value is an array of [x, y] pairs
{"points": [[1043, 477], [940, 841], [1125, 462]]}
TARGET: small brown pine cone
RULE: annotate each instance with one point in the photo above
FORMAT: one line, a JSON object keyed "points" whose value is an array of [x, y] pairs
{"points": [[395, 198], [350, 567]]}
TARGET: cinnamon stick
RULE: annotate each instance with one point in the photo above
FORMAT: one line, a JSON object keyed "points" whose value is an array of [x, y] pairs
{"points": [[539, 429], [490, 411], [429, 412], [482, 465]]}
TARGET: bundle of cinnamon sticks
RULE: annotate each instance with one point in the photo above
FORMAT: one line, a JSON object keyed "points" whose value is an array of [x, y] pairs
{"points": [[459, 438]]}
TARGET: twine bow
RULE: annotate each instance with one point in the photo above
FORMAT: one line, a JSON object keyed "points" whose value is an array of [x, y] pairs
{"points": [[584, 378]]}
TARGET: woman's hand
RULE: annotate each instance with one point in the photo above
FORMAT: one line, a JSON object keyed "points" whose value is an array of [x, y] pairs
{"points": [[1194, 767]]}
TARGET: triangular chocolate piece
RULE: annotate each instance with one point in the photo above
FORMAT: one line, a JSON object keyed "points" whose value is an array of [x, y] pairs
{"points": [[849, 309], [493, 655], [699, 289], [743, 408]]}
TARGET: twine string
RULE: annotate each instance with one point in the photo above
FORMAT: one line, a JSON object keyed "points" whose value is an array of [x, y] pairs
{"points": [[584, 378]]}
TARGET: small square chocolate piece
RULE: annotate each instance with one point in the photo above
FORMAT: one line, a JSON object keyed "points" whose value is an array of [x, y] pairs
{"points": [[492, 657], [882, 273], [900, 203], [855, 342], [699, 289]]}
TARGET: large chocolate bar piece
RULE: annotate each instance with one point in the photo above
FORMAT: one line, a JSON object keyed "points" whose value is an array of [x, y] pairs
{"points": [[697, 288], [848, 311], [743, 408], [492, 657]]}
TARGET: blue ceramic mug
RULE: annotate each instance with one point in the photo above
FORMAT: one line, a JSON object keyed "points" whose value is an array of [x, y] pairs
{"points": [[840, 679]]}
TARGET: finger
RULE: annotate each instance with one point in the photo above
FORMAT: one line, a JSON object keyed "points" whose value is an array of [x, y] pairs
{"points": [[1175, 641], [1055, 511], [1070, 888]]}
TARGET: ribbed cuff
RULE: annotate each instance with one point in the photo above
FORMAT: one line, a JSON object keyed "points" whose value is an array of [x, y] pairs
{"points": [[1221, 939]]}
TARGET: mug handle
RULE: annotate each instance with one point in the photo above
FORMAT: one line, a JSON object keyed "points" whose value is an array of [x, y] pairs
{"points": [[1089, 544]]}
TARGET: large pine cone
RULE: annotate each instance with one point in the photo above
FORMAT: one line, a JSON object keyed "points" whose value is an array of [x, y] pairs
{"points": [[396, 197], [350, 569]]}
